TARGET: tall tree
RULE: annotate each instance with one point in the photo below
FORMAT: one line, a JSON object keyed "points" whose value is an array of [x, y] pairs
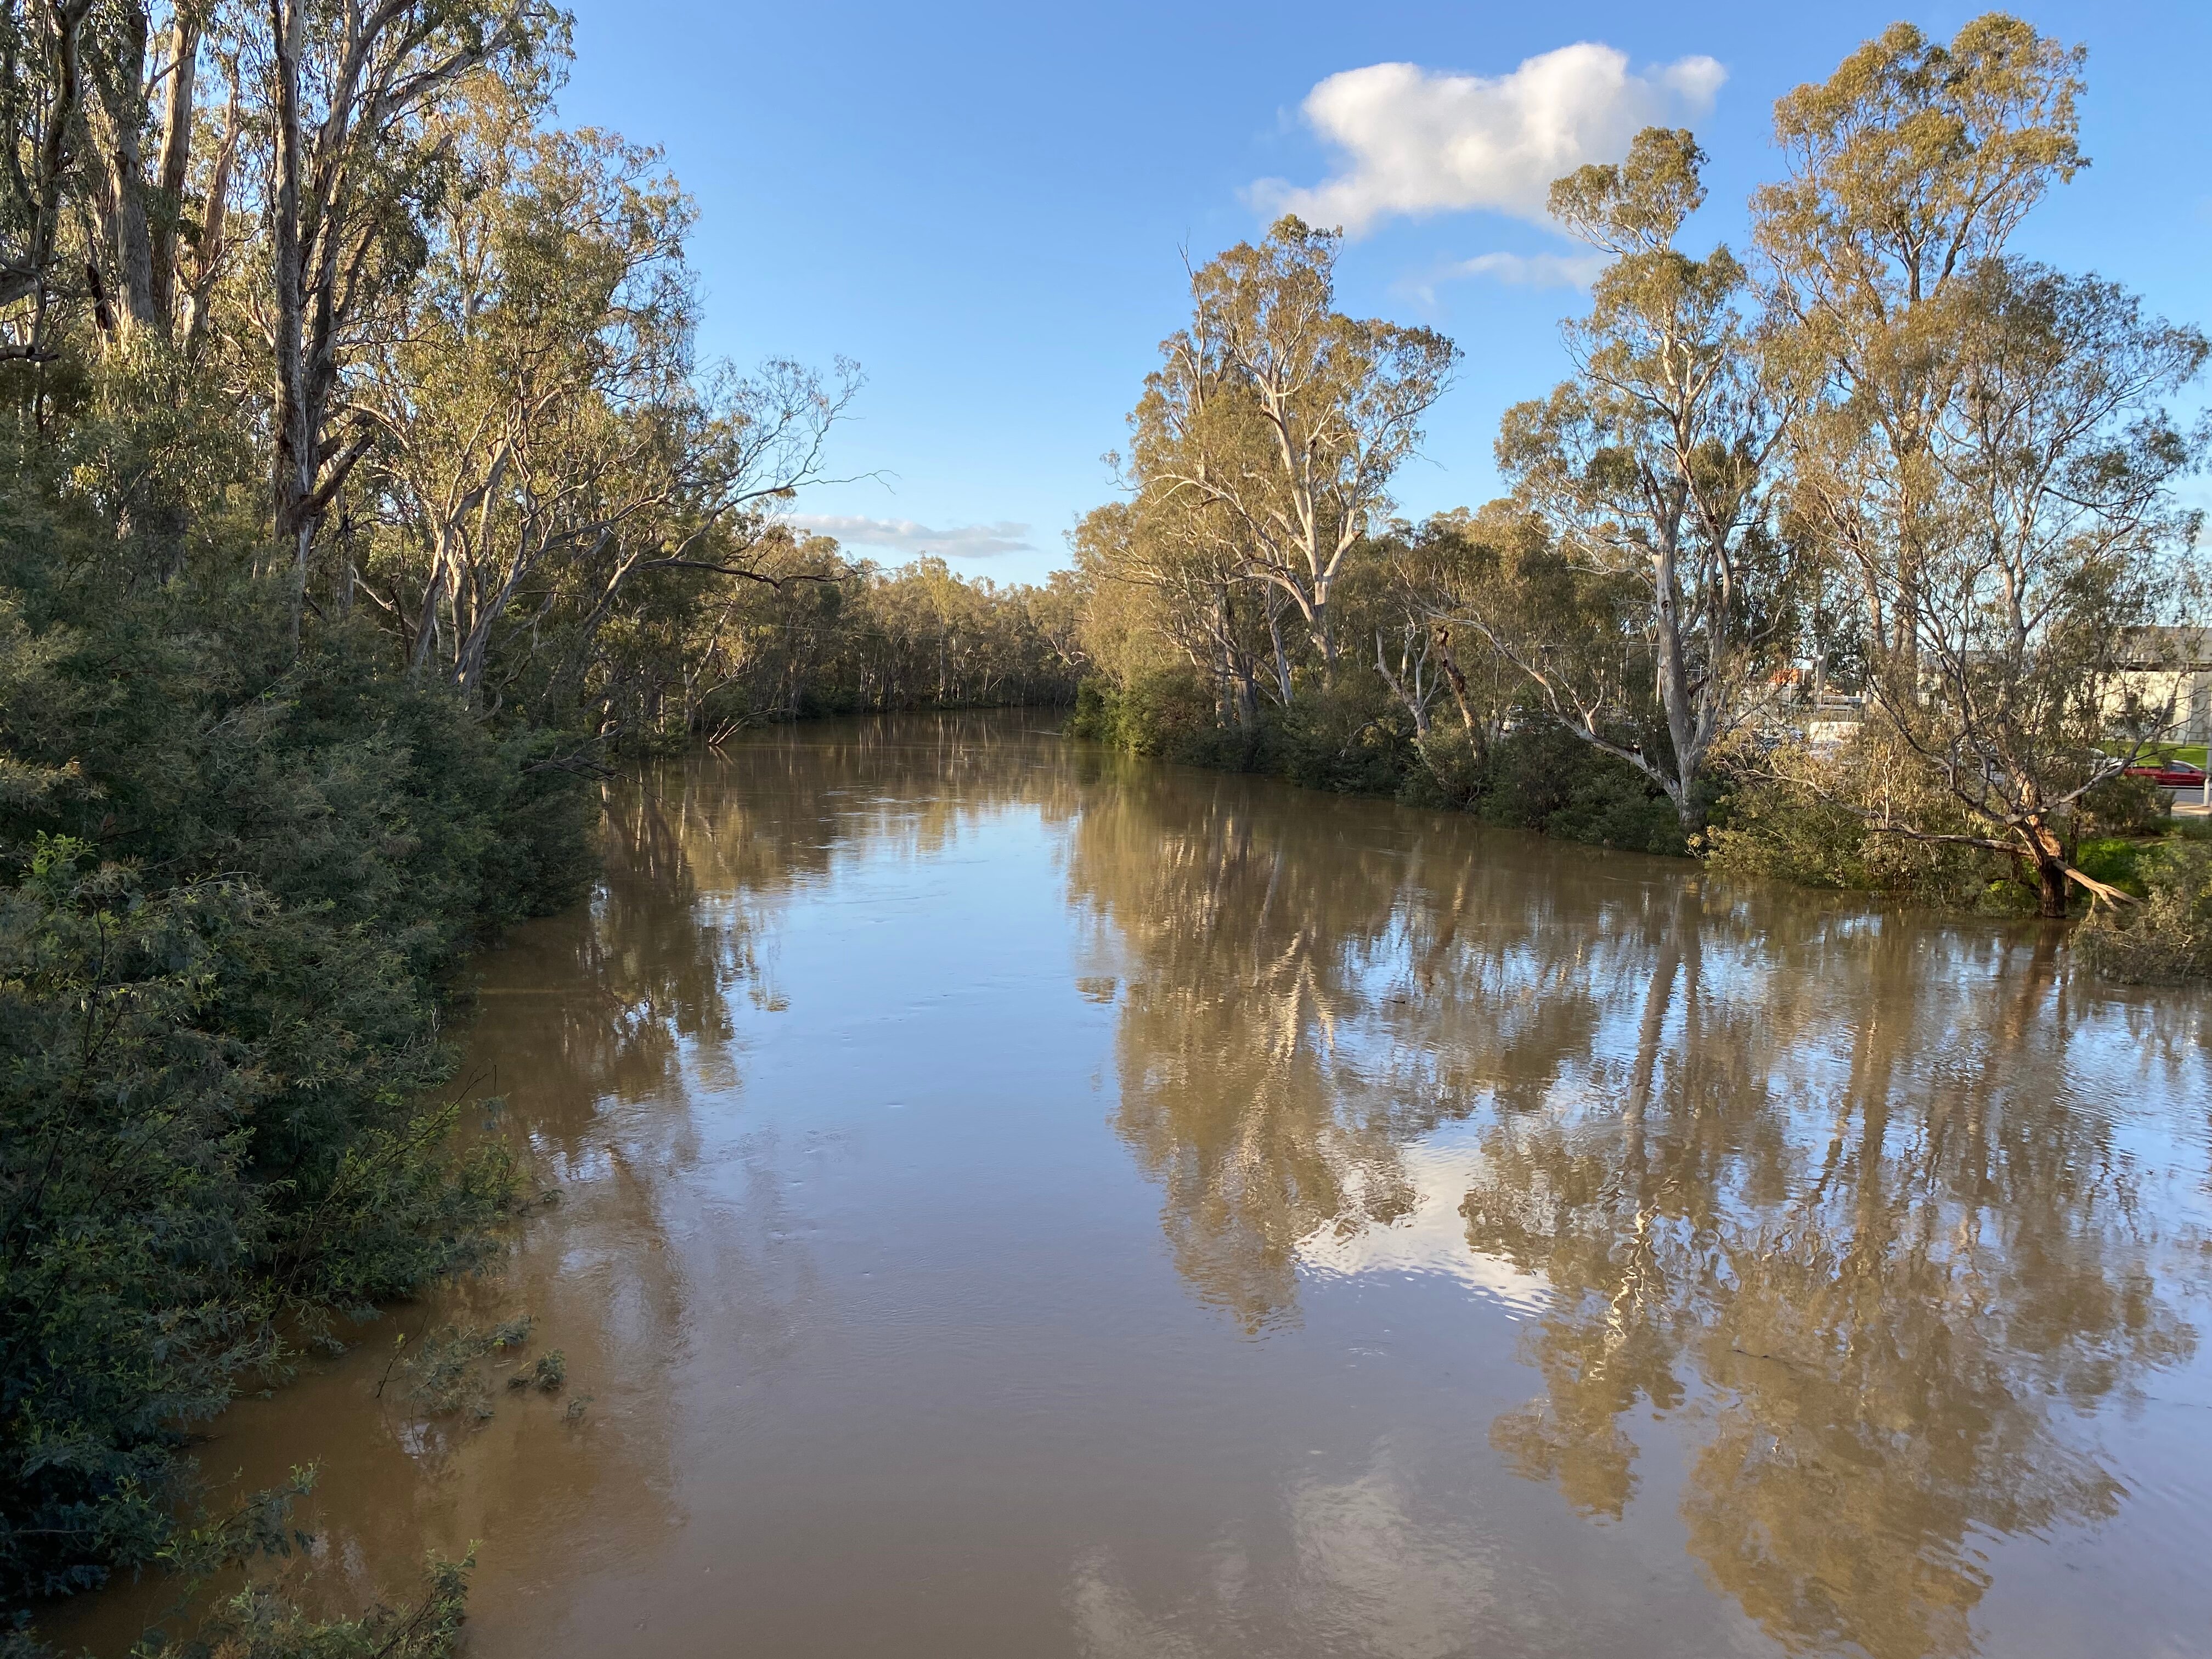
{"points": [[2052, 545], [351, 169], [42, 91], [1909, 166], [543, 443], [1488, 563], [1185, 556], [1278, 411], [1652, 470]]}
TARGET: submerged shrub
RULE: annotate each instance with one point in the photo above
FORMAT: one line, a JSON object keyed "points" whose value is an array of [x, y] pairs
{"points": [[260, 1623], [2167, 938], [1809, 825], [1161, 714], [1541, 777], [236, 886], [444, 1377]]}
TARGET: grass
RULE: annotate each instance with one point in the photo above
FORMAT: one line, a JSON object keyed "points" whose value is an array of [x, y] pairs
{"points": [[2191, 752], [2113, 858]]}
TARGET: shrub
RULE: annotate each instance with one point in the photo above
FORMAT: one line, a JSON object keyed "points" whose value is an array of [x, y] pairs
{"points": [[127, 1299], [1802, 827], [1164, 713], [262, 1624], [2167, 938], [235, 889], [1345, 740], [1541, 777]]}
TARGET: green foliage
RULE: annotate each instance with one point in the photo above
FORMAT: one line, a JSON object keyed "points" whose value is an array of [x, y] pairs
{"points": [[2123, 805], [1165, 714], [126, 1297], [2116, 860], [547, 1373], [1838, 822], [237, 886], [259, 1623], [1352, 741], [1097, 710], [1784, 830], [266, 1618], [2168, 938], [445, 1377], [1542, 777]]}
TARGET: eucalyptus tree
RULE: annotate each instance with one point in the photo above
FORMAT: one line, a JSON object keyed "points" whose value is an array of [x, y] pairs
{"points": [[1652, 470], [1981, 446], [42, 93], [1459, 564], [545, 441], [1284, 416], [122, 192], [2052, 546], [352, 160], [1184, 559], [158, 199], [1907, 168]]}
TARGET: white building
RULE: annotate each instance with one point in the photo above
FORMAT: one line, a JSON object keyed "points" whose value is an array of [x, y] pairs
{"points": [[2168, 666]]}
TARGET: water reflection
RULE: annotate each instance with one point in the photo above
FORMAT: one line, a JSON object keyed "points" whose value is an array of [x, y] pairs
{"points": [[1019, 1202], [1902, 1266], [1871, 1217]]}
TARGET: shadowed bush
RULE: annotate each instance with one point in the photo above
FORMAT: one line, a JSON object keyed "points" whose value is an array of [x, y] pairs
{"points": [[2168, 938], [238, 887]]}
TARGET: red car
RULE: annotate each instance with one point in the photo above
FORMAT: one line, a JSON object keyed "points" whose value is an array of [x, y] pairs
{"points": [[2170, 774]]}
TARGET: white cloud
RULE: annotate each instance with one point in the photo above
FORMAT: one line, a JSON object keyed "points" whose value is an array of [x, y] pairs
{"points": [[1575, 270], [1419, 142], [966, 541], [1534, 269]]}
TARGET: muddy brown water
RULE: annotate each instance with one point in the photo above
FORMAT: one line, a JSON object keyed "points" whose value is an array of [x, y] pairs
{"points": [[1017, 1201]]}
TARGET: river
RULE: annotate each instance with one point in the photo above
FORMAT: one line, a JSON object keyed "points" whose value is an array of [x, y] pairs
{"points": [[1018, 1202]]}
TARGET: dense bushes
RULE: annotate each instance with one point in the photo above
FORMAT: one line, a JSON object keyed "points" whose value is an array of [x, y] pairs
{"points": [[1793, 820], [1167, 714], [238, 886], [1539, 777], [1536, 777], [1830, 821], [2170, 937]]}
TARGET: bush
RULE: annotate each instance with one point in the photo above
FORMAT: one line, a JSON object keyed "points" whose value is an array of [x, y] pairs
{"points": [[1541, 777], [235, 889], [261, 1624], [1353, 741], [1806, 832], [1167, 714], [1342, 740], [126, 1296], [2166, 938]]}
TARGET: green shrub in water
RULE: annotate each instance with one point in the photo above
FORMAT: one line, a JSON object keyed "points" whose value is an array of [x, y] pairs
{"points": [[235, 886], [2168, 938]]}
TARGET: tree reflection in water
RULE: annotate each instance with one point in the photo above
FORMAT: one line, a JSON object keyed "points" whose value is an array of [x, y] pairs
{"points": [[1835, 1243], [1843, 1198]]}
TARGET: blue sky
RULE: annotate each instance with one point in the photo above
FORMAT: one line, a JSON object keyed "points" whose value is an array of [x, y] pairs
{"points": [[987, 206]]}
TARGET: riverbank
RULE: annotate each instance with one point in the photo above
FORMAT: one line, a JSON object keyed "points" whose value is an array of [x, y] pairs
{"points": [[1541, 778], [247, 885]]}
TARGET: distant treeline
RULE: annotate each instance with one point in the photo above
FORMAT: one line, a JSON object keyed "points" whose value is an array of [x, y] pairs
{"points": [[856, 639], [1859, 559]]}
